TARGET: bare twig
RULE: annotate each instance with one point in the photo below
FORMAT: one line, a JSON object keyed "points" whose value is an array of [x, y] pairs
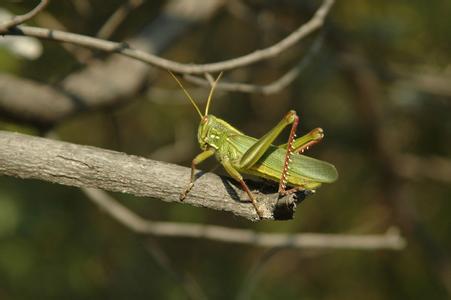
{"points": [[83, 166], [116, 19], [268, 89], [176, 96], [313, 24], [102, 83], [391, 240], [17, 20], [80, 54]]}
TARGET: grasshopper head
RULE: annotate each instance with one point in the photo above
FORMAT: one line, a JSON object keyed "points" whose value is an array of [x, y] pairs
{"points": [[202, 132], [207, 134]]}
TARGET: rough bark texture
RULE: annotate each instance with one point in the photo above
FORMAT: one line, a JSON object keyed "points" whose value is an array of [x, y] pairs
{"points": [[84, 166]]}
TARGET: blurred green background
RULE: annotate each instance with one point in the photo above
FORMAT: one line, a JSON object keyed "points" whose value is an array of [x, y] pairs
{"points": [[380, 87]]}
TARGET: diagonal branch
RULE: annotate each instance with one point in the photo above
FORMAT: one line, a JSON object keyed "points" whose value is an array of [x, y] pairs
{"points": [[312, 25], [390, 240], [84, 166], [116, 19], [33, 102], [268, 89], [17, 20], [102, 83]]}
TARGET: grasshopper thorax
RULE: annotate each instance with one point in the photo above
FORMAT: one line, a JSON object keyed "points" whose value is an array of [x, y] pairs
{"points": [[213, 132], [208, 134]]}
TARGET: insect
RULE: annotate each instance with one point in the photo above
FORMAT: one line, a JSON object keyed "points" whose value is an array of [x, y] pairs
{"points": [[239, 153]]}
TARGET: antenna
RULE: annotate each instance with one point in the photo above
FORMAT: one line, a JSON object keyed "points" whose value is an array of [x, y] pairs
{"points": [[187, 94], [213, 86]]}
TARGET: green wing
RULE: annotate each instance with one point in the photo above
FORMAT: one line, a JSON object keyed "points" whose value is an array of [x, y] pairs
{"points": [[302, 168]]}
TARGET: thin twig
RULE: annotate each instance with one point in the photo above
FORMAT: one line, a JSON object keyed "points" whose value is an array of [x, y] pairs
{"points": [[268, 89], [176, 96], [80, 54], [17, 20], [391, 240], [116, 19], [42, 104], [313, 24]]}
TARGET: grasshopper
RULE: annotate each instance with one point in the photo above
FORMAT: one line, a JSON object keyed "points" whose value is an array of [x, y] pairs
{"points": [[239, 153]]}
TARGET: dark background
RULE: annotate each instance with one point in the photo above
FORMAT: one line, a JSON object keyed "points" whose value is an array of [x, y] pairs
{"points": [[380, 87]]}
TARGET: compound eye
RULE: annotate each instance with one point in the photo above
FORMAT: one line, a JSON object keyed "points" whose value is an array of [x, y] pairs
{"points": [[204, 120]]}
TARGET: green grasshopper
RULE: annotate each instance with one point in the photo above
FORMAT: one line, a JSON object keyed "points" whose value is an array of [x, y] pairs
{"points": [[239, 153]]}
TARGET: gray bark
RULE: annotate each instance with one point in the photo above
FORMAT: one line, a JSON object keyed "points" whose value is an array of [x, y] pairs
{"points": [[64, 163]]}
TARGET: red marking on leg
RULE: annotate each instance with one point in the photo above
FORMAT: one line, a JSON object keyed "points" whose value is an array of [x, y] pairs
{"points": [[316, 135], [286, 165], [305, 147]]}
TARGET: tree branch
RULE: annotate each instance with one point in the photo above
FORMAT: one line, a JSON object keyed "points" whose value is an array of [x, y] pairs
{"points": [[17, 20], [116, 19], [102, 83], [40, 104], [267, 89], [391, 240], [313, 24], [84, 166]]}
